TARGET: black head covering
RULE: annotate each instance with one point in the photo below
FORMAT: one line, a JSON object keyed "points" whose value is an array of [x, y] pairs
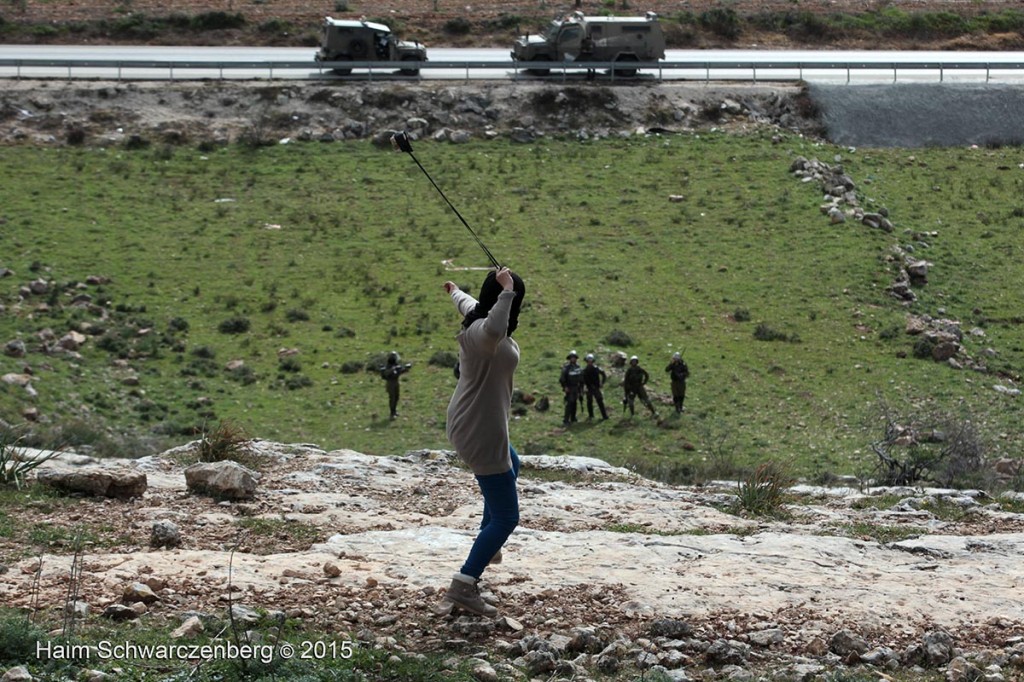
{"points": [[489, 296]]}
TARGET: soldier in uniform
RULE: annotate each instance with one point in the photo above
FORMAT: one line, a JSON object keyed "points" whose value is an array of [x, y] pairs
{"points": [[678, 372], [571, 380], [634, 382], [593, 379], [390, 373]]}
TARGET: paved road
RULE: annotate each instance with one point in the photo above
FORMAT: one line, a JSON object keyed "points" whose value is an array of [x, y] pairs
{"points": [[817, 66]]}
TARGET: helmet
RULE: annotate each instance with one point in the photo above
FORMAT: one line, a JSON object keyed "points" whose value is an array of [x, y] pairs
{"points": [[677, 356], [634, 359], [589, 357], [393, 357], [572, 354]]}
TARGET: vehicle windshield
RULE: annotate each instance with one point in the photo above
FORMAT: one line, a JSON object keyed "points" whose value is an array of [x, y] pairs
{"points": [[551, 34]]}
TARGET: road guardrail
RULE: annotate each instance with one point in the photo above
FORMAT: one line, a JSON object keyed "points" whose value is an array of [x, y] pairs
{"points": [[375, 70]]}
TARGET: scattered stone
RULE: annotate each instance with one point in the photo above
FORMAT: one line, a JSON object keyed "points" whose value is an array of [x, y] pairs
{"points": [[223, 480], [15, 348], [671, 628], [165, 534], [139, 592], [120, 612], [846, 642], [766, 638], [18, 673], [190, 628]]}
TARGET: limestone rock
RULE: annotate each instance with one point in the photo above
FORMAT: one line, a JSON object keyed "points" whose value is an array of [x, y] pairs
{"points": [[122, 485], [224, 480]]}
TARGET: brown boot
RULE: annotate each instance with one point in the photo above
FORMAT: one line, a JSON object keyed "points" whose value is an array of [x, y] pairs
{"points": [[465, 594]]}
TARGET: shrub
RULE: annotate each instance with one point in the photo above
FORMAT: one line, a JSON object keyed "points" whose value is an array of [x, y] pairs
{"points": [[18, 638], [619, 338], [763, 491], [227, 441], [215, 21], [243, 375], [351, 367], [763, 332], [923, 348], [944, 447], [296, 315], [234, 325], [178, 324], [204, 352], [289, 364], [443, 358], [297, 381], [275, 26], [12, 468], [721, 21], [459, 26], [741, 315]]}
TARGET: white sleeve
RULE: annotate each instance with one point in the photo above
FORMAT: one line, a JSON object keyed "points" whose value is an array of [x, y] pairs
{"points": [[463, 301]]}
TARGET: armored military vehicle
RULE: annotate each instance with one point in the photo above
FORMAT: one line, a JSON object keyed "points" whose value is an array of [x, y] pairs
{"points": [[366, 41], [578, 38]]}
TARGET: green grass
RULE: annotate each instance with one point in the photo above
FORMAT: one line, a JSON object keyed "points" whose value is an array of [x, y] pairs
{"points": [[292, 530], [589, 226], [881, 533]]}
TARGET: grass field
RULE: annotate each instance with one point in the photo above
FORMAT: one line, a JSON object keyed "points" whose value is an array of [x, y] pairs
{"points": [[338, 252]]}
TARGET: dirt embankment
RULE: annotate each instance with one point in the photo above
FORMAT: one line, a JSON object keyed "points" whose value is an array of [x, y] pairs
{"points": [[139, 114], [764, 24]]}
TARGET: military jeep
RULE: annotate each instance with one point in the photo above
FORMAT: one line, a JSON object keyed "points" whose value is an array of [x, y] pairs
{"points": [[346, 40]]}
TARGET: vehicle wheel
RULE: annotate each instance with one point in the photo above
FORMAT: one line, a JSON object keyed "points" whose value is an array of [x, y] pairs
{"points": [[540, 72], [625, 58], [409, 72], [341, 58]]}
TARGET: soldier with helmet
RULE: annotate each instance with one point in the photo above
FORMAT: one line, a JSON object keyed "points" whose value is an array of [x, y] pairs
{"points": [[634, 382], [593, 379], [390, 373], [571, 380], [678, 372]]}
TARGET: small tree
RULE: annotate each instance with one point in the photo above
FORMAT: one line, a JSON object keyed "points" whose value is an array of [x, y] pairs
{"points": [[942, 447]]}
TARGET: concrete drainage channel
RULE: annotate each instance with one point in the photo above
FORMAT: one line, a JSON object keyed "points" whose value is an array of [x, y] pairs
{"points": [[921, 115]]}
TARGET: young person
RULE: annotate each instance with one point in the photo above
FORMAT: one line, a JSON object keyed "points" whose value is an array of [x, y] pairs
{"points": [[478, 421]]}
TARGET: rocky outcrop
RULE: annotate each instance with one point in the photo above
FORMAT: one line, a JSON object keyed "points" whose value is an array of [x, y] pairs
{"points": [[136, 114], [608, 573]]}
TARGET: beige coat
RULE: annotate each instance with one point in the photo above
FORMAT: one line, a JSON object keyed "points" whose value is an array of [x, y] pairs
{"points": [[479, 408]]}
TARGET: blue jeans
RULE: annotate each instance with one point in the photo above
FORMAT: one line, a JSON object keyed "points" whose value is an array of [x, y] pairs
{"points": [[501, 516]]}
